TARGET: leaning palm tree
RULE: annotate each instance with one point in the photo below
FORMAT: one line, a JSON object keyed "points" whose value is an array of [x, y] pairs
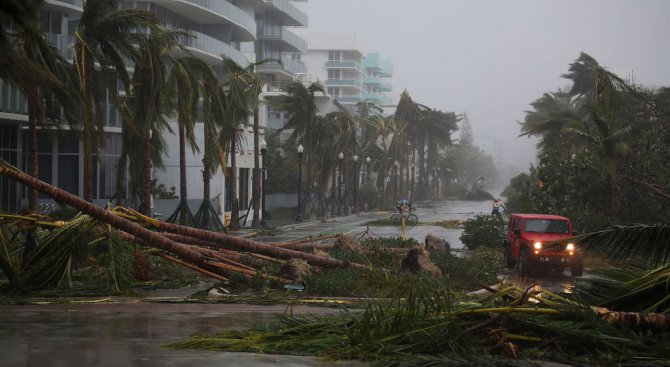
{"points": [[146, 98], [104, 39], [45, 78], [586, 117], [244, 88], [300, 103], [214, 110], [183, 91]]}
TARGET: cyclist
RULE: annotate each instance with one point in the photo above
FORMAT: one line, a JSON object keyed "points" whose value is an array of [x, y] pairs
{"points": [[403, 205]]}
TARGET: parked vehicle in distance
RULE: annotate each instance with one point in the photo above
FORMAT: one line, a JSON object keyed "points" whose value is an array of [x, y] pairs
{"points": [[533, 243]]}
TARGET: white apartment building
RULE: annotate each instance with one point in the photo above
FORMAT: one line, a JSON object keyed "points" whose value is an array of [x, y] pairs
{"points": [[243, 30]]}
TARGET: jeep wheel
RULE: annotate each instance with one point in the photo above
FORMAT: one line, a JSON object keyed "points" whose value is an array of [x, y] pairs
{"points": [[509, 262], [577, 268], [526, 266]]}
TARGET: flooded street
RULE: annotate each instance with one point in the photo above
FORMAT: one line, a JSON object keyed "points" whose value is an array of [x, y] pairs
{"points": [[131, 332]]}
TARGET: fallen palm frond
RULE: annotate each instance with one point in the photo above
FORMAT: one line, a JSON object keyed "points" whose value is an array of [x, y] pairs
{"points": [[632, 287], [649, 242], [431, 326]]}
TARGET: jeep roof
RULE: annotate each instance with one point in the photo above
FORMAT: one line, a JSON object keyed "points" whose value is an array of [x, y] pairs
{"points": [[539, 216]]}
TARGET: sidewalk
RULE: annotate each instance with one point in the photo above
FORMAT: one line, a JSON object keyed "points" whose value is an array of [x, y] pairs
{"points": [[292, 231]]}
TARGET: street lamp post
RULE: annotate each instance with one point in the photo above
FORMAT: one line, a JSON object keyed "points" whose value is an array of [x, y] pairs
{"points": [[411, 186], [367, 175], [339, 184], [395, 174], [264, 149], [298, 217], [355, 209]]}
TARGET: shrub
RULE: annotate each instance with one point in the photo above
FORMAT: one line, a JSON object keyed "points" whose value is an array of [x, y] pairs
{"points": [[483, 230]]}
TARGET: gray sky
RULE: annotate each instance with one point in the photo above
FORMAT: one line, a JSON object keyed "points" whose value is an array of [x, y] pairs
{"points": [[492, 58]]}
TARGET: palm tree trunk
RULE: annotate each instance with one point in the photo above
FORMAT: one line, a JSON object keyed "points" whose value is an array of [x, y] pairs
{"points": [[182, 175], [146, 174], [256, 189], [206, 177], [106, 216], [333, 193], [33, 112], [234, 209], [121, 177], [86, 80]]}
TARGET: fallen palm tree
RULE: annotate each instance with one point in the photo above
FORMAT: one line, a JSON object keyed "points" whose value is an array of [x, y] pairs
{"points": [[139, 227]]}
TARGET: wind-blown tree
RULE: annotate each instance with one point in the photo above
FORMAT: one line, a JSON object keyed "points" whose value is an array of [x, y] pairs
{"points": [[244, 89], [183, 92], [436, 129], [407, 115], [103, 41], [431, 132], [587, 117], [214, 111], [346, 125], [300, 104], [36, 68], [146, 100]]}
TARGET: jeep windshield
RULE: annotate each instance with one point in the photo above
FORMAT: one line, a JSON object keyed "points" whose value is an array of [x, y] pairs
{"points": [[547, 226]]}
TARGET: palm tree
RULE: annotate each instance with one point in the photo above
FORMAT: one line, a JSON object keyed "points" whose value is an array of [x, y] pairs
{"points": [[183, 92], [43, 75], [585, 117], [300, 103], [244, 88], [106, 37], [408, 113], [214, 106], [146, 98], [431, 132]]}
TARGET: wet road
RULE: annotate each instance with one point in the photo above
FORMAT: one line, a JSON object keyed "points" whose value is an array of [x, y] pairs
{"points": [[131, 334]]}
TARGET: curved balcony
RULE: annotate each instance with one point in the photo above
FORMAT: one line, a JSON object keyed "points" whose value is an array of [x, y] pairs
{"points": [[288, 39], [211, 49], [288, 13], [215, 12], [73, 8]]}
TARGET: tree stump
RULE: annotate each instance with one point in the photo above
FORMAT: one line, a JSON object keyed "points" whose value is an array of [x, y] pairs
{"points": [[418, 260], [436, 245]]}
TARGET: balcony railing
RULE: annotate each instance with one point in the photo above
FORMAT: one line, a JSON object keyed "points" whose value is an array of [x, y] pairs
{"points": [[296, 42], [214, 47], [77, 3], [299, 17], [343, 64], [343, 83], [228, 11]]}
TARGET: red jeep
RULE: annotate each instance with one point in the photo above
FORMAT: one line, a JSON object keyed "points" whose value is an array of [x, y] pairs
{"points": [[533, 244]]}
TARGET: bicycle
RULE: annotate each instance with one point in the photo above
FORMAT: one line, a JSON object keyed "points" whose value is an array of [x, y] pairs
{"points": [[410, 218]]}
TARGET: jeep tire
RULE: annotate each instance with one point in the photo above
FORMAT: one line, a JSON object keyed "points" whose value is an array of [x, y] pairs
{"points": [[577, 268], [526, 265], [509, 261]]}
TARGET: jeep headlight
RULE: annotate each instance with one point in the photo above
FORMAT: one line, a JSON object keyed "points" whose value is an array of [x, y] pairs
{"points": [[570, 247], [537, 245]]}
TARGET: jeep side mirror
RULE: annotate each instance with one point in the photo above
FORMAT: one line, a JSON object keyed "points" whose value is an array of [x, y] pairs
{"points": [[517, 232]]}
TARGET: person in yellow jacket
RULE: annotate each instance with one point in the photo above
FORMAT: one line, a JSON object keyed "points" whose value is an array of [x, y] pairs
{"points": [[497, 207]]}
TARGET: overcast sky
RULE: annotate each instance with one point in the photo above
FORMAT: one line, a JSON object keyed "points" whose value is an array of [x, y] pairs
{"points": [[492, 58]]}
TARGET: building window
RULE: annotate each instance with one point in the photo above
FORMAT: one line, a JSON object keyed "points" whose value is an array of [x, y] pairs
{"points": [[9, 192], [68, 163]]}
